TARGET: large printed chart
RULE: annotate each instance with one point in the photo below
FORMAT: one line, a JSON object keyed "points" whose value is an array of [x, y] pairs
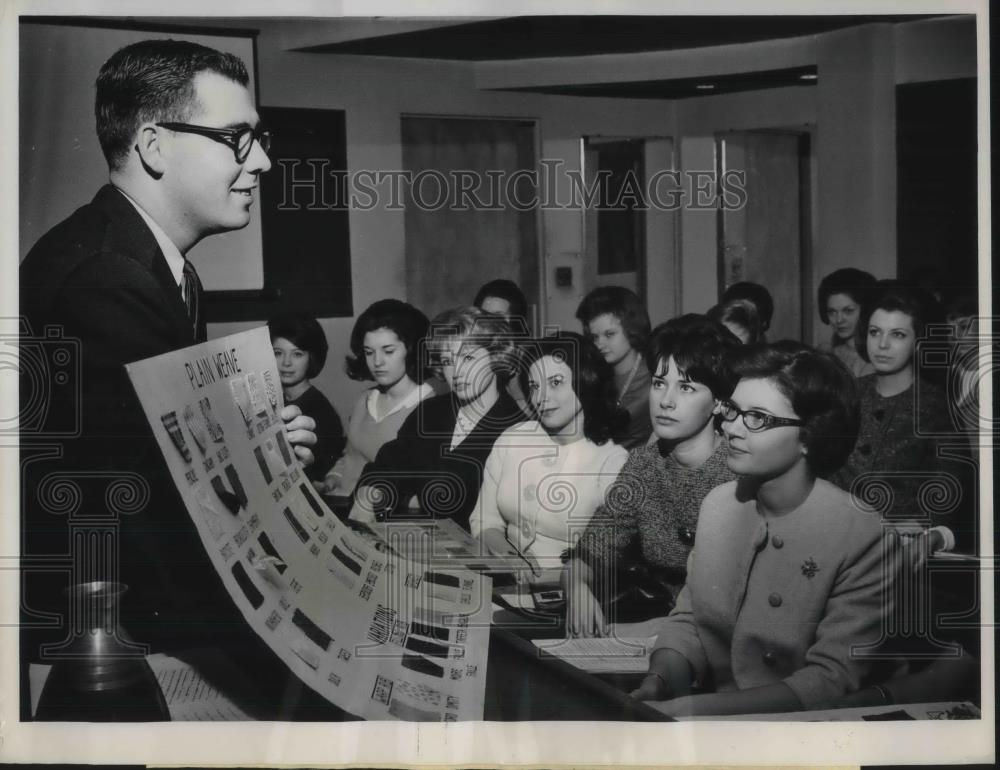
{"points": [[380, 636]]}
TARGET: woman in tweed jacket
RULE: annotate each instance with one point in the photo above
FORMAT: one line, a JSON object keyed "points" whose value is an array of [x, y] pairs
{"points": [[652, 510]]}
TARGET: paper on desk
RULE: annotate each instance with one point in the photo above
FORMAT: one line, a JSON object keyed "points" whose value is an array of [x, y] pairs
{"points": [[917, 711], [602, 655], [637, 630], [954, 556], [189, 697], [518, 600]]}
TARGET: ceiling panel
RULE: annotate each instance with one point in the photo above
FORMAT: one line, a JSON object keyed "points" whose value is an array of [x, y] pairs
{"points": [[530, 37]]}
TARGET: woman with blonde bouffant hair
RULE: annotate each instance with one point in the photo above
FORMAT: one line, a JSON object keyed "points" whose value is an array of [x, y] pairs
{"points": [[435, 464]]}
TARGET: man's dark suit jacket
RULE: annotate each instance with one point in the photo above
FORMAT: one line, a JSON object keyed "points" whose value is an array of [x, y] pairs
{"points": [[101, 277], [420, 461]]}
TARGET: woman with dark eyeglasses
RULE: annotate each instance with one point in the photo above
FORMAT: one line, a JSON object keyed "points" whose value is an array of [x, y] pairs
{"points": [[785, 582], [644, 531]]}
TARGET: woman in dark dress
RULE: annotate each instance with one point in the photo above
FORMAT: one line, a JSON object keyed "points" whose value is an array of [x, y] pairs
{"points": [[617, 322], [300, 349], [906, 461]]}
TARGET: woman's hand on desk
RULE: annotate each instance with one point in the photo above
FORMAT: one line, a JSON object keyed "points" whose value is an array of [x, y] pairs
{"points": [[669, 675], [330, 485], [496, 544], [652, 688], [584, 616], [914, 544], [688, 706], [301, 435], [366, 501]]}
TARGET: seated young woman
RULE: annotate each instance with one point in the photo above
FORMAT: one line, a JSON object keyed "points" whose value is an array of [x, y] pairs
{"points": [[843, 295], [758, 296], [653, 511], [786, 574], [615, 319], [385, 348], [300, 349], [437, 458], [895, 465], [504, 298], [544, 479], [741, 318]]}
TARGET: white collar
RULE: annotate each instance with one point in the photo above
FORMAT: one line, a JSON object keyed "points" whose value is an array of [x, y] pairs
{"points": [[416, 395], [175, 260]]}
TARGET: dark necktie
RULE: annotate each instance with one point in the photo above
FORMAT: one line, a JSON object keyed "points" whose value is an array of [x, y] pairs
{"points": [[192, 288]]}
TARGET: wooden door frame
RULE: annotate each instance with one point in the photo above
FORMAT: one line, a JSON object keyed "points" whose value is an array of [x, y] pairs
{"points": [[807, 217], [541, 286], [642, 268]]}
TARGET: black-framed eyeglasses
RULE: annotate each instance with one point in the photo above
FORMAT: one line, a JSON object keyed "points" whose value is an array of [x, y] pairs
{"points": [[239, 139], [754, 420]]}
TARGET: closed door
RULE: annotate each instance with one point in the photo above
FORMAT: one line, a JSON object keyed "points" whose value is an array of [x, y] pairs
{"points": [[763, 241], [615, 225], [452, 250]]}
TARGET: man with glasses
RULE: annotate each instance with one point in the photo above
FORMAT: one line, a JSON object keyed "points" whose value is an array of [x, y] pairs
{"points": [[185, 151]]}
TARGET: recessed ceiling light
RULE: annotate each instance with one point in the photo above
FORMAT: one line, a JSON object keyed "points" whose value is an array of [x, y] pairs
{"points": [[811, 76], [705, 86]]}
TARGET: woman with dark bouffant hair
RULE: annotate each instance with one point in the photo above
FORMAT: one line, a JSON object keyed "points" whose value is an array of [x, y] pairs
{"points": [[741, 318], [544, 479], [435, 463], [616, 321], [895, 465], [505, 298], [786, 576], [385, 348], [843, 295], [300, 349]]}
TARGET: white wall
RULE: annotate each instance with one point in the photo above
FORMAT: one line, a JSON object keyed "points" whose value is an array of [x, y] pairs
{"points": [[61, 163]]}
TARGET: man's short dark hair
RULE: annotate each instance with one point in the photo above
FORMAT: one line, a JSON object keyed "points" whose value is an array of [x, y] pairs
{"points": [[821, 390], [757, 294], [305, 333], [624, 305], [152, 81]]}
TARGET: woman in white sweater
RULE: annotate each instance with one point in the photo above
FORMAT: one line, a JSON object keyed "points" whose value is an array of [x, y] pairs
{"points": [[545, 478]]}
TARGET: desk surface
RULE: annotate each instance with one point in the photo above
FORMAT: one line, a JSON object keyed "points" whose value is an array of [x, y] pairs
{"points": [[949, 710], [521, 685]]}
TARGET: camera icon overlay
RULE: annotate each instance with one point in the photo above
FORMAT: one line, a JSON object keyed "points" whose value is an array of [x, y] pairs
{"points": [[957, 365], [48, 370]]}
